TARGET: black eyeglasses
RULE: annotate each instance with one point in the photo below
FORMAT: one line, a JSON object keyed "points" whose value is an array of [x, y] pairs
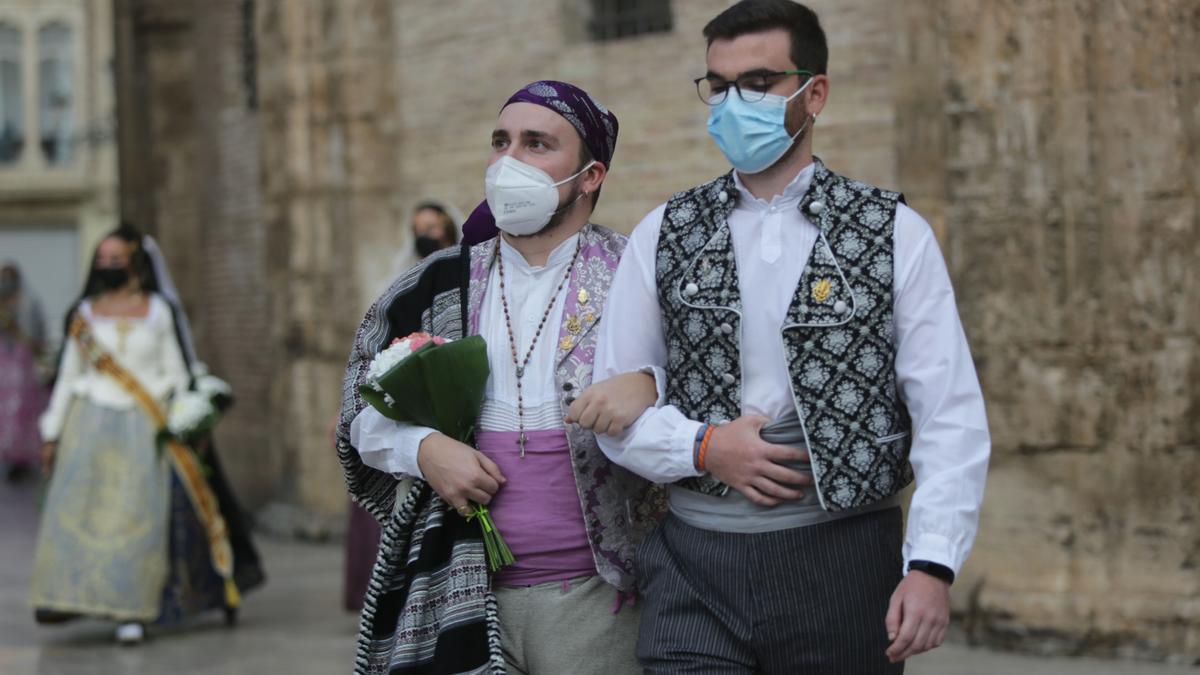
{"points": [[751, 87]]}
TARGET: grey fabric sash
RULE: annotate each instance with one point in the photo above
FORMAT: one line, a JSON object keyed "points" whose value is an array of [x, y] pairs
{"points": [[735, 513]]}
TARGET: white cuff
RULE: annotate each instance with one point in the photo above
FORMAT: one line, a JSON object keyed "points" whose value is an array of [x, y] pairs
{"points": [[683, 445], [660, 383], [387, 445], [934, 548]]}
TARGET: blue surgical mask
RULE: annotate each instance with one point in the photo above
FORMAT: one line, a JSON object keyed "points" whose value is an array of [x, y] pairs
{"points": [[752, 135]]}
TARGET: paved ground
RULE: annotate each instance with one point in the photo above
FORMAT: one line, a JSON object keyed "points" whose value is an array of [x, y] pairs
{"points": [[294, 625]]}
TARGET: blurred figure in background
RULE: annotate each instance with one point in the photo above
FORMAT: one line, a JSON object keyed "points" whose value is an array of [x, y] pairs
{"points": [[433, 228], [22, 395], [132, 531]]}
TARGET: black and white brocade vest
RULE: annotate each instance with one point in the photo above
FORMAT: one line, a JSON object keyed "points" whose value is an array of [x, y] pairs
{"points": [[838, 335]]}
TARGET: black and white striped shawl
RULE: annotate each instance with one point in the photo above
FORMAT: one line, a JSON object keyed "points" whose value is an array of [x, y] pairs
{"points": [[429, 606]]}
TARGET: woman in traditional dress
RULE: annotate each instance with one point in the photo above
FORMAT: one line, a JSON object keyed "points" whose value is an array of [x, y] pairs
{"points": [[22, 396], [133, 530]]}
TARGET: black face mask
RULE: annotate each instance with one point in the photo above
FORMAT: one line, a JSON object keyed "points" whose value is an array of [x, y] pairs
{"points": [[427, 246], [112, 278]]}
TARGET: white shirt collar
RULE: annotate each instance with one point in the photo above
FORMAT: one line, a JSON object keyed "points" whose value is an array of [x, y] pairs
{"points": [[561, 255], [794, 191]]}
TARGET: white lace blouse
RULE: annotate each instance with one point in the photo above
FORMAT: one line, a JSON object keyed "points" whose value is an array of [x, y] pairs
{"points": [[147, 347]]}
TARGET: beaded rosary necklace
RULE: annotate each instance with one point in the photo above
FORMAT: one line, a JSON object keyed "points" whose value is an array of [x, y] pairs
{"points": [[512, 340]]}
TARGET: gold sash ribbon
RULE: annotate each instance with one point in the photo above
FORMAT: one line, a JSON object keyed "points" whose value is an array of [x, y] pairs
{"points": [[184, 462]]}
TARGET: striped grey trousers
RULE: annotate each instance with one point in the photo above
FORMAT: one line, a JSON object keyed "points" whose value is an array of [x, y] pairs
{"points": [[797, 601]]}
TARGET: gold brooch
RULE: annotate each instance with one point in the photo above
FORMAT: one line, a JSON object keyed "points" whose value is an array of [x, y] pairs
{"points": [[574, 325], [589, 318], [584, 296], [821, 290], [566, 342]]}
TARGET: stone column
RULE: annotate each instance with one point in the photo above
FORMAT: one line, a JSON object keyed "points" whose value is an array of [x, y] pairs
{"points": [[327, 176]]}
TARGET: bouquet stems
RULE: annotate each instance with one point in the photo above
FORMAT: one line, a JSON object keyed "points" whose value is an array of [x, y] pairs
{"points": [[498, 553]]}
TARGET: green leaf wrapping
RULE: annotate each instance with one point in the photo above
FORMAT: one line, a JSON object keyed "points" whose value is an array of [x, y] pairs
{"points": [[441, 387], [437, 386]]}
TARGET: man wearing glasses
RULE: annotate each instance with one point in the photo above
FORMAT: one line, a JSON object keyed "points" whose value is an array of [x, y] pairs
{"points": [[811, 358]]}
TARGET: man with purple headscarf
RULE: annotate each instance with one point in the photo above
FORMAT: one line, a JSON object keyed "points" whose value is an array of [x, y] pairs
{"points": [[572, 518]]}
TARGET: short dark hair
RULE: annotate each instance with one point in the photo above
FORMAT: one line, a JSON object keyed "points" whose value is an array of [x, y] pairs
{"points": [[809, 50]]}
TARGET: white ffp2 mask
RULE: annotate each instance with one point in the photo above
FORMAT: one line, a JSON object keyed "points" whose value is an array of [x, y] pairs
{"points": [[522, 198]]}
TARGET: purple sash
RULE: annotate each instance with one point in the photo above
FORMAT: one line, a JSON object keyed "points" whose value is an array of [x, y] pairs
{"points": [[538, 509]]}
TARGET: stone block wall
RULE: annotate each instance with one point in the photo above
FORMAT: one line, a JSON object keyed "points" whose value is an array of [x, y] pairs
{"points": [[1058, 143]]}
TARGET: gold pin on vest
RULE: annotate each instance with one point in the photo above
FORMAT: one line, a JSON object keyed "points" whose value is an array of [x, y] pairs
{"points": [[583, 296], [574, 326], [821, 290]]}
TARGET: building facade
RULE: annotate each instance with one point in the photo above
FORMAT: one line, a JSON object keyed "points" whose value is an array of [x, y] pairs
{"points": [[58, 182]]}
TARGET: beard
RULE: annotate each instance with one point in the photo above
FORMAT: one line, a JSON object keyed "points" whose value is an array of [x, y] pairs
{"points": [[805, 125], [560, 214]]}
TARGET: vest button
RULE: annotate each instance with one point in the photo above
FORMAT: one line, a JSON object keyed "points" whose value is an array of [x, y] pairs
{"points": [[691, 289], [726, 328], [728, 378], [840, 307], [816, 207], [723, 196]]}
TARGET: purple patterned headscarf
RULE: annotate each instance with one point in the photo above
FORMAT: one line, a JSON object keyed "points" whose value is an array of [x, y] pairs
{"points": [[596, 125]]}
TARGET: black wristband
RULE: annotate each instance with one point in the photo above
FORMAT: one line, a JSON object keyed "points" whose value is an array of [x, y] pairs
{"points": [[932, 569]]}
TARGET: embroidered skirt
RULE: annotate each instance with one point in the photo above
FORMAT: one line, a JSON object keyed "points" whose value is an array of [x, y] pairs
{"points": [[119, 538], [102, 547]]}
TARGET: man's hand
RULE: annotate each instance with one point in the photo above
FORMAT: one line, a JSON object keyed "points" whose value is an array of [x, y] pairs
{"points": [[48, 451], [458, 472], [740, 458], [611, 406], [918, 615]]}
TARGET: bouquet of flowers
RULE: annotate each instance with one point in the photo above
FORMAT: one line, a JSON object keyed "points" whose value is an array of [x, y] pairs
{"points": [[217, 390], [437, 383], [193, 414]]}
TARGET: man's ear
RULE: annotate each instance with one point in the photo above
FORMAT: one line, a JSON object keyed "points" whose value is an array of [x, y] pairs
{"points": [[818, 94], [593, 177]]}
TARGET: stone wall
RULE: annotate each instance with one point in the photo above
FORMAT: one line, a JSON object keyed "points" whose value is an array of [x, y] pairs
{"points": [[328, 143], [1058, 142], [236, 316]]}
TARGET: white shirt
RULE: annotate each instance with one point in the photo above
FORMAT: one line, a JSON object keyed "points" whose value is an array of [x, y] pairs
{"points": [[146, 347], [936, 377], [392, 446]]}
